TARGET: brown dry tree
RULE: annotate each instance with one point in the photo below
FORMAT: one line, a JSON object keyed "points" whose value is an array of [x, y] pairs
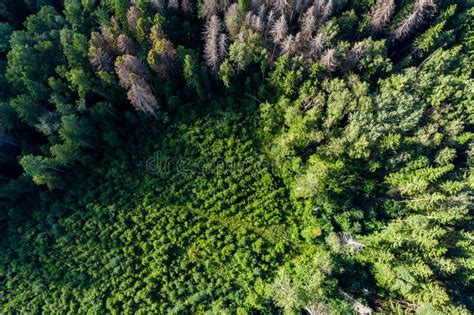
{"points": [[132, 18], [100, 59], [133, 76], [126, 45], [109, 37], [380, 14], [128, 65]]}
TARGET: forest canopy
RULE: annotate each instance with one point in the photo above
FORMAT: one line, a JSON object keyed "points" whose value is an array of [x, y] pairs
{"points": [[221, 157]]}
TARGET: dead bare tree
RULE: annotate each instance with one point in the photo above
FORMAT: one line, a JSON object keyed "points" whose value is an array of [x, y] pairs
{"points": [[281, 6], [316, 46], [422, 9], [132, 76], [287, 45], [270, 21], [127, 66], [350, 242], [380, 14], [222, 46], [211, 46], [322, 10], [262, 11], [308, 23], [329, 60], [223, 4], [141, 96], [327, 11], [210, 7], [257, 24], [279, 30], [300, 6]]}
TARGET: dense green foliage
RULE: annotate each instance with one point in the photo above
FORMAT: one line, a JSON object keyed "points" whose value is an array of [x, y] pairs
{"points": [[250, 157]]}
